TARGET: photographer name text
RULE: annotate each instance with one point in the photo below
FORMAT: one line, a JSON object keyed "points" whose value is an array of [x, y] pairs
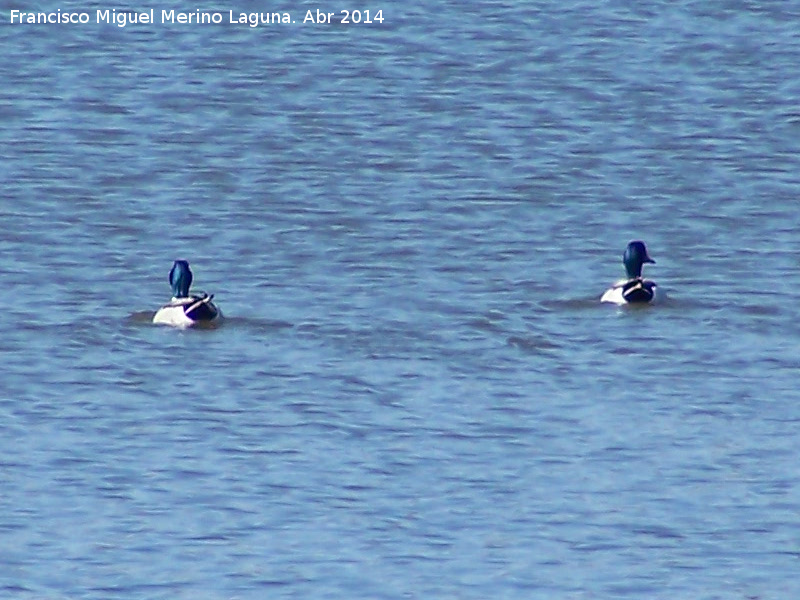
{"points": [[123, 18]]}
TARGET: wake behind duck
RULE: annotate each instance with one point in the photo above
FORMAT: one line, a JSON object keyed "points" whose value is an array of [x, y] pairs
{"points": [[185, 310]]}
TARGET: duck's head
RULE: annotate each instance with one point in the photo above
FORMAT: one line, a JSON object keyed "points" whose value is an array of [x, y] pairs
{"points": [[634, 258], [180, 278]]}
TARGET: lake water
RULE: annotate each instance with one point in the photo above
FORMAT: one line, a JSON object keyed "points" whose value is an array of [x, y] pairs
{"points": [[409, 224]]}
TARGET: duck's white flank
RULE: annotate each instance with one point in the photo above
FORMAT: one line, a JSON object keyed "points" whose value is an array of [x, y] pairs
{"points": [[175, 313]]}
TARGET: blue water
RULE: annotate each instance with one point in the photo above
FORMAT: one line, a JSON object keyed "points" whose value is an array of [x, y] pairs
{"points": [[416, 393]]}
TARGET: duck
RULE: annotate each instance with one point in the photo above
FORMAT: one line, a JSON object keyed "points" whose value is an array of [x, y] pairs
{"points": [[185, 310], [635, 289]]}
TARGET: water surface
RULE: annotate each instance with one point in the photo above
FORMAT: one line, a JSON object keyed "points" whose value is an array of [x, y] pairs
{"points": [[416, 393]]}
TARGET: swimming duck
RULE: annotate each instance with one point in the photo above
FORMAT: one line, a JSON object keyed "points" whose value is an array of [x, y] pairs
{"points": [[634, 289], [185, 310]]}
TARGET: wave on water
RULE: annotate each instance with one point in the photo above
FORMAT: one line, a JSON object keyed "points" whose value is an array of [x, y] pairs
{"points": [[145, 317]]}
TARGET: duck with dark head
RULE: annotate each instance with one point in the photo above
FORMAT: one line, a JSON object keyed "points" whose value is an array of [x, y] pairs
{"points": [[185, 309], [635, 289]]}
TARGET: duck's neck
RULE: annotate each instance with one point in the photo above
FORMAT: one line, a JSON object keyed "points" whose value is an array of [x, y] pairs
{"points": [[634, 270], [180, 279]]}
